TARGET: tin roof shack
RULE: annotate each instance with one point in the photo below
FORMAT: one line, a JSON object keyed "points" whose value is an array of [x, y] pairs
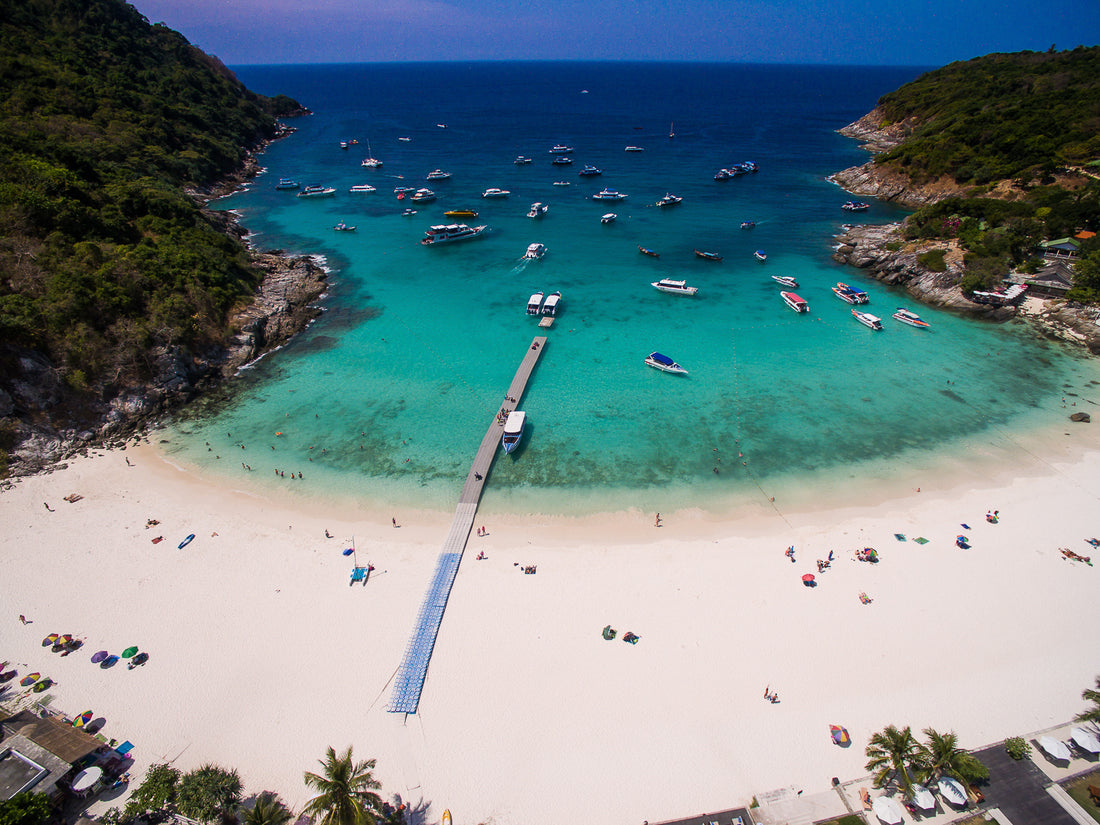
{"points": [[36, 754]]}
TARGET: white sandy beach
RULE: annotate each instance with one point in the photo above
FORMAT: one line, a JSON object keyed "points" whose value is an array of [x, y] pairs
{"points": [[262, 655]]}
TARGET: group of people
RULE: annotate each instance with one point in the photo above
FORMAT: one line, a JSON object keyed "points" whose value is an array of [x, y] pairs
{"points": [[771, 697]]}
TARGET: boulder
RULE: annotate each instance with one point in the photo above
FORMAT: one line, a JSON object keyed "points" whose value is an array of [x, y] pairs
{"points": [[1083, 417]]}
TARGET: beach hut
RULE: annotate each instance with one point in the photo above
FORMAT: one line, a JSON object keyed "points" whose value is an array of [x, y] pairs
{"points": [[1054, 748], [886, 809]]}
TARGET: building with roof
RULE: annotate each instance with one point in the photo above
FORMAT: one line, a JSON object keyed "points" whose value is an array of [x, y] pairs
{"points": [[1060, 248], [1054, 279], [36, 753]]}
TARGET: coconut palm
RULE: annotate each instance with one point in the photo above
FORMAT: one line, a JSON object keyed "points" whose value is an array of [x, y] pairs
{"points": [[1093, 713], [345, 791], [890, 755], [268, 810], [942, 756]]}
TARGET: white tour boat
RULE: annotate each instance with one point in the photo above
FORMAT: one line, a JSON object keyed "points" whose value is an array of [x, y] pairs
{"points": [[850, 294], [317, 192], [538, 209], [287, 183], [535, 251], [664, 364], [911, 318], [534, 304], [668, 200], [608, 218], [446, 233], [513, 430], [550, 305], [674, 287], [362, 187], [794, 302], [437, 174], [785, 280], [493, 192], [609, 195], [634, 149], [867, 319], [423, 196]]}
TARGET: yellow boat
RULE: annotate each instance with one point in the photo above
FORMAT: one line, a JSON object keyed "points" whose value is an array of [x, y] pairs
{"points": [[461, 213], [447, 817]]}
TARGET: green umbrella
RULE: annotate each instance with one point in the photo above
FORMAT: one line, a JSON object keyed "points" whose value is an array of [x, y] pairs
{"points": [[128, 652]]}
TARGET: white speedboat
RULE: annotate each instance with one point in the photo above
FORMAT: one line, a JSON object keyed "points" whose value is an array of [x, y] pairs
{"points": [[371, 163], [522, 160], [785, 280], [668, 200], [850, 294], [760, 255], [664, 364], [561, 183], [609, 195], [404, 139], [561, 149], [513, 430], [538, 209], [674, 287], [343, 227], [287, 183], [423, 196], [446, 233], [317, 192], [856, 206], [437, 174], [563, 160], [550, 305], [867, 319], [634, 149], [493, 192], [590, 171], [362, 187], [534, 304], [911, 318], [535, 251], [794, 302], [608, 218]]}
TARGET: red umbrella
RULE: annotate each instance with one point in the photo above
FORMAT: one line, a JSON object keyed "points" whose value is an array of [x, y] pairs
{"points": [[808, 580]]}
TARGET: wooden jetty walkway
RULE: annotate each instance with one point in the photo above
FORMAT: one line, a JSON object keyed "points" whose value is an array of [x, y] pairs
{"points": [[408, 683]]}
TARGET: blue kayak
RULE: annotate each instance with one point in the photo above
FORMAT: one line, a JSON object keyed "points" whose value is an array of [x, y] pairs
{"points": [[186, 541]]}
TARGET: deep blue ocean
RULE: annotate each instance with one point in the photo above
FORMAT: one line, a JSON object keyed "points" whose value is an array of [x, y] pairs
{"points": [[386, 397]]}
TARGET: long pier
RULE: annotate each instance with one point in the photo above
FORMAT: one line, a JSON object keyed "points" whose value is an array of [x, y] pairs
{"points": [[409, 681]]}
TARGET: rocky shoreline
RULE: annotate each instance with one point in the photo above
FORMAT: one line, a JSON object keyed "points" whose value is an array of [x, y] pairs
{"points": [[284, 304]]}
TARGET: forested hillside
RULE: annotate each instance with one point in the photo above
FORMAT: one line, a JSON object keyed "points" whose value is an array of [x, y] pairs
{"points": [[104, 120]]}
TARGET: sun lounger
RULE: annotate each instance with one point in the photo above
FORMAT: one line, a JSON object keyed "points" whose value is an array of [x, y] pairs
{"points": [[358, 574], [865, 798]]}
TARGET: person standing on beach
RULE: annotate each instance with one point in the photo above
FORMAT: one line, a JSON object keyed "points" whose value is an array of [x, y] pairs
{"points": [[657, 521]]}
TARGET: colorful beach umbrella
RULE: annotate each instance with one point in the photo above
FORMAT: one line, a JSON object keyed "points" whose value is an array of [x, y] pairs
{"points": [[64, 640], [839, 734], [49, 640], [110, 661], [82, 719], [99, 656], [130, 651], [30, 679]]}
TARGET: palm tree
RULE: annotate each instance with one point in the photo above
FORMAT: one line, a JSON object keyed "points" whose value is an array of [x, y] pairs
{"points": [[942, 756], [268, 810], [1093, 713], [346, 791], [890, 755]]}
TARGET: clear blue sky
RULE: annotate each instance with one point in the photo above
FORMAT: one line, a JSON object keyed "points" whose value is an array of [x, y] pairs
{"points": [[861, 32]]}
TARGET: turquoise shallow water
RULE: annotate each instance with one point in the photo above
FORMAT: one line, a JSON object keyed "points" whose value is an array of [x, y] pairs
{"points": [[388, 395]]}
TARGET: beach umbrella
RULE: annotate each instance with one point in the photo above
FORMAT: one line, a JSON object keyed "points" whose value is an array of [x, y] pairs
{"points": [[887, 810], [30, 679], [1085, 740], [64, 640], [840, 735], [49, 640], [82, 719], [808, 580], [130, 651], [922, 798], [99, 656], [1054, 748], [140, 659], [952, 790], [348, 551], [110, 661]]}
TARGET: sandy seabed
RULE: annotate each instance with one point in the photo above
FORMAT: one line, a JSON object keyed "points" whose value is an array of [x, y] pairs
{"points": [[262, 654]]}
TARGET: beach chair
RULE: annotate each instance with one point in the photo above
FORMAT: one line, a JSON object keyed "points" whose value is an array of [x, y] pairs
{"points": [[358, 574], [865, 798]]}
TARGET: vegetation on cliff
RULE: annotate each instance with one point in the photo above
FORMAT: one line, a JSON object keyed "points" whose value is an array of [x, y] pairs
{"points": [[104, 120], [998, 117]]}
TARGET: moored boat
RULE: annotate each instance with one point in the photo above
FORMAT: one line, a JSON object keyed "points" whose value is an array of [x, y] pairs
{"points": [[562, 160], [535, 251], [722, 174], [522, 160], [911, 318], [403, 190], [534, 304], [786, 280], [795, 302], [609, 195], [760, 255], [856, 206], [561, 183], [674, 287], [850, 294], [664, 364], [748, 224], [460, 213], [647, 251], [493, 192], [561, 149], [423, 196], [668, 200], [867, 319], [287, 183], [538, 209], [550, 305], [446, 233], [317, 192], [437, 174], [513, 430], [371, 163], [362, 187], [608, 218], [343, 227], [710, 256], [634, 149], [590, 171]]}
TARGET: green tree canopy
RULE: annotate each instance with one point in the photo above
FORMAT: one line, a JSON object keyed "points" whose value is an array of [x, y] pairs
{"points": [[890, 756], [345, 791], [268, 809], [942, 756], [208, 793], [1091, 695], [157, 792], [25, 808]]}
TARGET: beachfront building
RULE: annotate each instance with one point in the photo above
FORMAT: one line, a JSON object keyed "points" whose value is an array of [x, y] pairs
{"points": [[41, 755], [1060, 248], [1054, 279]]}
